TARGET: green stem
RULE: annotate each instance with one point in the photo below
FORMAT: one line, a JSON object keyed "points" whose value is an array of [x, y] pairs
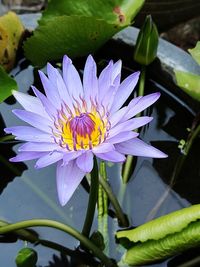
{"points": [[142, 81], [118, 210], [103, 208], [62, 227], [27, 235], [102, 194], [92, 200], [100, 202], [129, 160]]}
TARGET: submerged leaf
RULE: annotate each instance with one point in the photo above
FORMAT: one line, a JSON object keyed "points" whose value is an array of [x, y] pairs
{"points": [[189, 82], [7, 84], [195, 52], [71, 35], [11, 30]]}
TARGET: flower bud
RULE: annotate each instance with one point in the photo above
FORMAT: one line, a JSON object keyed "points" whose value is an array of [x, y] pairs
{"points": [[147, 43]]}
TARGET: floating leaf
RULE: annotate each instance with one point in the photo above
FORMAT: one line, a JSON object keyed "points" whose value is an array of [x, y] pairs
{"points": [[119, 12], [195, 52], [11, 30], [189, 82], [7, 84], [78, 28], [26, 257], [152, 251], [162, 237], [71, 35]]}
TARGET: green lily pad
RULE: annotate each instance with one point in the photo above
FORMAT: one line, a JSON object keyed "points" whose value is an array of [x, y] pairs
{"points": [[71, 35], [78, 28], [152, 251], [7, 84], [119, 12], [162, 237], [195, 52], [190, 83]]}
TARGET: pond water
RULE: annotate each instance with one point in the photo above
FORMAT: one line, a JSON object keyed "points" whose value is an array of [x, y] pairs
{"points": [[148, 194]]}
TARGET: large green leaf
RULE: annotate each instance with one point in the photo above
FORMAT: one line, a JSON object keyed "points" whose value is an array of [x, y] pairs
{"points": [[78, 27], [162, 237], [113, 11], [71, 35], [7, 84], [195, 52], [162, 226], [168, 246], [189, 82]]}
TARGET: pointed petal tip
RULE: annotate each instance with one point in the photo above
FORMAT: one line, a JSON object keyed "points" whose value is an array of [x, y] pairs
{"points": [[13, 159], [62, 202], [7, 130], [90, 59], [66, 58], [162, 155], [156, 95]]}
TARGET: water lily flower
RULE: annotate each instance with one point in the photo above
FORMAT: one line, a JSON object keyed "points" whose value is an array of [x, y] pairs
{"points": [[76, 121]]}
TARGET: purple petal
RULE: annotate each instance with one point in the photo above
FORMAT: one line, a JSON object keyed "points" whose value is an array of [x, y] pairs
{"points": [[121, 137], [103, 148], [68, 156], [90, 82], [72, 79], [50, 90], [58, 82], [105, 80], [23, 156], [43, 146], [63, 92], [116, 73], [49, 107], [30, 103], [52, 73], [129, 125], [109, 97], [117, 116], [124, 91], [68, 178], [113, 156], [85, 161], [27, 133], [34, 119], [143, 103], [48, 159], [137, 147]]}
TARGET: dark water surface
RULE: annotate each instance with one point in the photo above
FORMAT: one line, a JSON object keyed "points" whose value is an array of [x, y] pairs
{"points": [[146, 196]]}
